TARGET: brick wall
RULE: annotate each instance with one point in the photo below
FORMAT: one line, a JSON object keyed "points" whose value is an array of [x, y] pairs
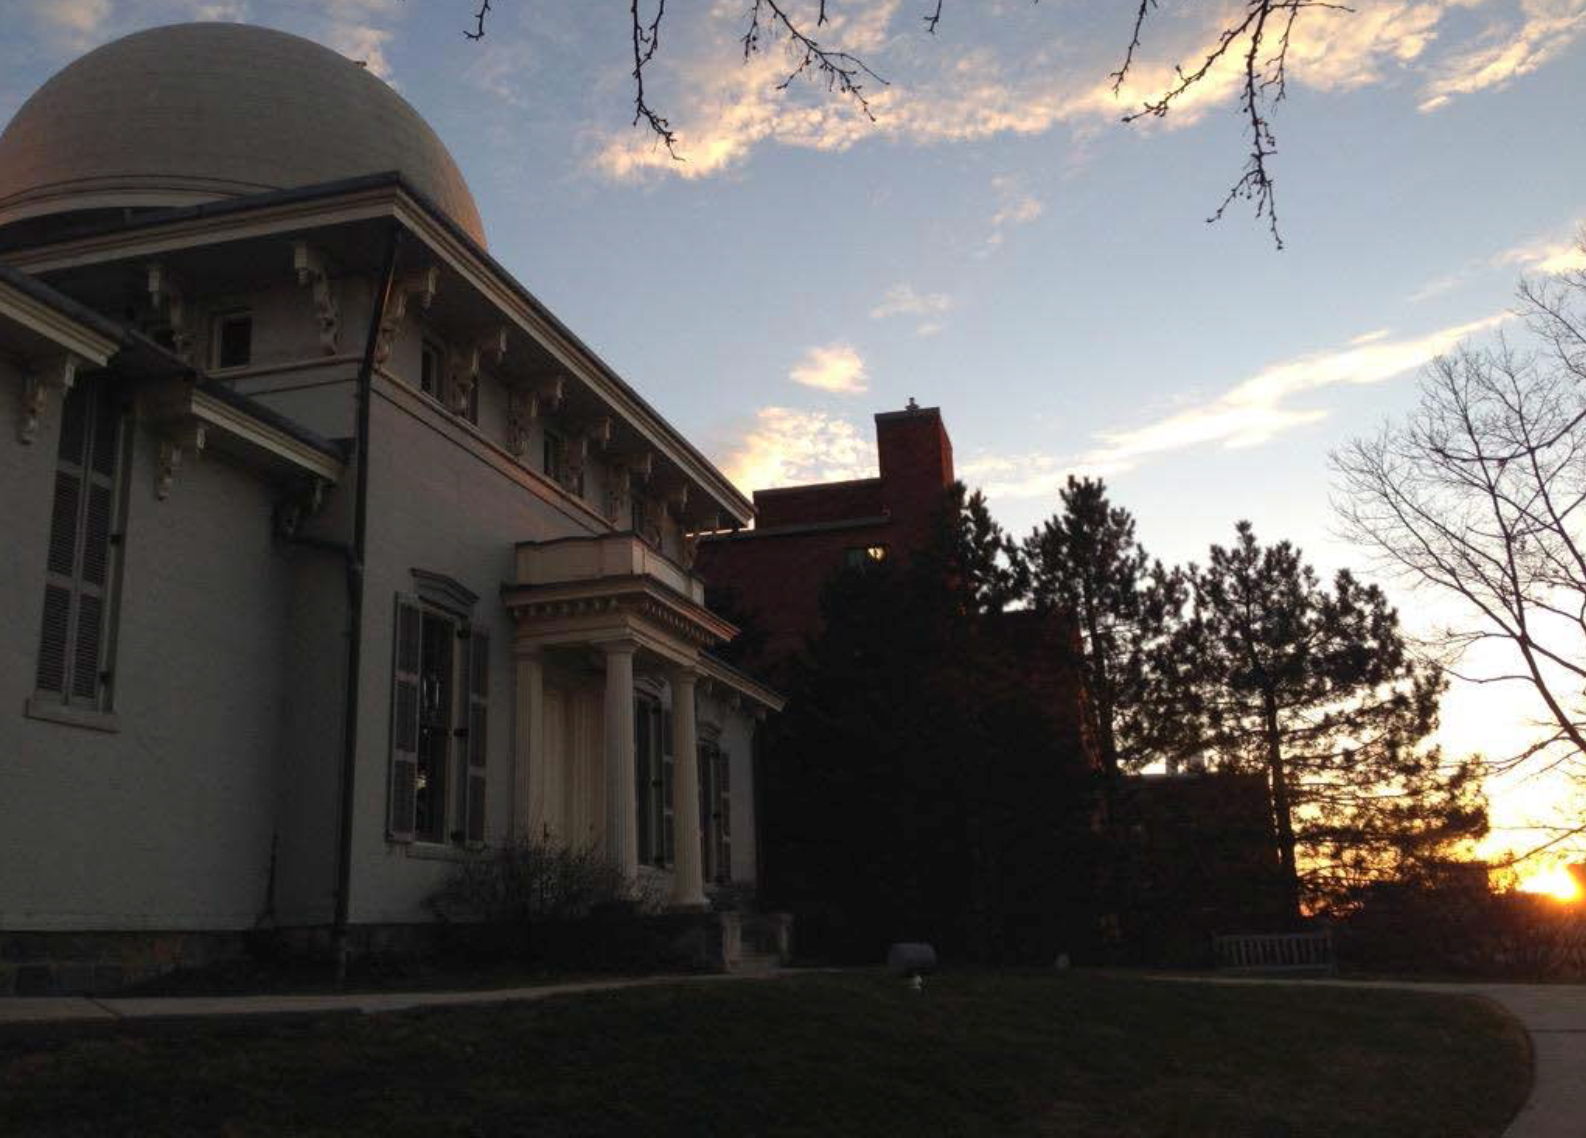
{"points": [[774, 572]]}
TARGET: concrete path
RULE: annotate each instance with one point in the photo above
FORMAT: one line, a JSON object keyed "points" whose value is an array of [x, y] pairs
{"points": [[1555, 1017], [21, 1010]]}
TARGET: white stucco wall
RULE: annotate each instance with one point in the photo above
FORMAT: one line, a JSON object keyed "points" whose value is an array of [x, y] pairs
{"points": [[231, 658], [166, 822]]}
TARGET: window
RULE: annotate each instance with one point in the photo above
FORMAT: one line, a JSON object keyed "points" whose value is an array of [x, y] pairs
{"points": [[440, 727], [555, 463], [233, 339], [715, 812], [653, 782], [73, 663], [432, 370], [859, 556]]}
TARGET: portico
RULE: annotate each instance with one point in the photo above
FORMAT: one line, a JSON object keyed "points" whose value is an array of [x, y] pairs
{"points": [[609, 653]]}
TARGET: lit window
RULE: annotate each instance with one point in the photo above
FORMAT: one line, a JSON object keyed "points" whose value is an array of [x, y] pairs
{"points": [[859, 556], [233, 340]]}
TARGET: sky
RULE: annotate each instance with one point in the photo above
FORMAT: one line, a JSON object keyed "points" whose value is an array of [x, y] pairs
{"points": [[997, 242]]}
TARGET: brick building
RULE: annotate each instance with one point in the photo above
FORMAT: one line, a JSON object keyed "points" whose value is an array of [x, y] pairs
{"points": [[772, 574]]}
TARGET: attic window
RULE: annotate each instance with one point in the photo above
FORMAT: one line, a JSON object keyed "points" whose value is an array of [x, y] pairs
{"points": [[233, 340]]}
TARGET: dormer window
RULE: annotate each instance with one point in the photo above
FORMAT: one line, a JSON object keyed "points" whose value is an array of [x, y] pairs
{"points": [[233, 340]]}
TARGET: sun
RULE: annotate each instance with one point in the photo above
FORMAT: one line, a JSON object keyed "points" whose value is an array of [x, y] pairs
{"points": [[1557, 882]]}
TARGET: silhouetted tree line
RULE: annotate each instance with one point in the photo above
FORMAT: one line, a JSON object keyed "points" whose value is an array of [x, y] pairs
{"points": [[929, 779]]}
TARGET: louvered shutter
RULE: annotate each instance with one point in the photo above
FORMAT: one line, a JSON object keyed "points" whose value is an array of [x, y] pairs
{"points": [[404, 721], [76, 594], [478, 734], [668, 830], [723, 816], [644, 793], [704, 758]]}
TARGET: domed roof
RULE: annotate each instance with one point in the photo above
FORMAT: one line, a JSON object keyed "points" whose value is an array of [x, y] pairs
{"points": [[196, 112]]}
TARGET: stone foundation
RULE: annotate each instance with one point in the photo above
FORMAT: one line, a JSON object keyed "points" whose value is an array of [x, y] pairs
{"points": [[60, 963]]}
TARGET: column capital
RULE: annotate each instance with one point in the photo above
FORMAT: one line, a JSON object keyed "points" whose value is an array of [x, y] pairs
{"points": [[683, 675], [623, 647]]}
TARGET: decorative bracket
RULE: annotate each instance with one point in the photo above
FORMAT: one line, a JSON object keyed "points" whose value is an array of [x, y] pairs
{"points": [[467, 376], [577, 457], [296, 508], [54, 376], [640, 466], [312, 269], [422, 284], [600, 432], [168, 298], [677, 501], [619, 495], [178, 442], [551, 393]]}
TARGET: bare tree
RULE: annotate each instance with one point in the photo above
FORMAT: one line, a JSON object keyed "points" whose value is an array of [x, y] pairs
{"points": [[1257, 36], [1479, 496]]}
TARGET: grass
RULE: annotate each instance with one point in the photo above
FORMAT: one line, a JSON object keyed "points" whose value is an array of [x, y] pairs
{"points": [[1040, 1054]]}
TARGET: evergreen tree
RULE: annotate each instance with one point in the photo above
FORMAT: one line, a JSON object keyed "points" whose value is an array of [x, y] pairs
{"points": [[920, 787], [1085, 562], [1317, 688]]}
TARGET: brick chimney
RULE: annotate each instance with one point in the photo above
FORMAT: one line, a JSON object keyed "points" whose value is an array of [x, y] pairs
{"points": [[916, 459]]}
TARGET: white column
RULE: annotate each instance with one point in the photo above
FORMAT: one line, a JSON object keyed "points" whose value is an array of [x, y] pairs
{"points": [[622, 820], [528, 765], [688, 888]]}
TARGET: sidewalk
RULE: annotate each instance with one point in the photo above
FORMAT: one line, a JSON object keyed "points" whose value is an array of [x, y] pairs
{"points": [[23, 1010], [1554, 1015]]}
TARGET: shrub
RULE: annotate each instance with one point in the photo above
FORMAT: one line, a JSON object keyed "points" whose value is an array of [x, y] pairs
{"points": [[528, 882]]}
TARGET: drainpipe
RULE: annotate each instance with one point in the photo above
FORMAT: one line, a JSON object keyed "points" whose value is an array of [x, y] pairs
{"points": [[355, 590]]}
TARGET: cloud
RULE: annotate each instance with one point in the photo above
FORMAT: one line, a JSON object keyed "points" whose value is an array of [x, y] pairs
{"points": [[1508, 50], [1547, 256], [1017, 206], [1552, 254], [832, 367], [79, 24], [786, 447], [1251, 413], [902, 300], [723, 111]]}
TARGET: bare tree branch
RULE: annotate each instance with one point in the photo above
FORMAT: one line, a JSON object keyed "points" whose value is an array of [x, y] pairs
{"points": [[479, 21], [646, 39], [843, 72]]}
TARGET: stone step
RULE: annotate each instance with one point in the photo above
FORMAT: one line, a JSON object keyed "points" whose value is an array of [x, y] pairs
{"points": [[756, 964]]}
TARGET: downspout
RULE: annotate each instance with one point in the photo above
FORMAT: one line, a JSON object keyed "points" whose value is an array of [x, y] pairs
{"points": [[355, 591]]}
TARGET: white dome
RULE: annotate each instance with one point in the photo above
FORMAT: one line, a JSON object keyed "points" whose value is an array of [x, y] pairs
{"points": [[191, 113]]}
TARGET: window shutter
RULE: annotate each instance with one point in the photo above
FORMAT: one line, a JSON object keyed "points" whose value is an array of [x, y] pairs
{"points": [[644, 791], [404, 721], [76, 594], [478, 733], [723, 816], [668, 828]]}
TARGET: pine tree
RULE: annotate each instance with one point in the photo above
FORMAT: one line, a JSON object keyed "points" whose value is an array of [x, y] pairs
{"points": [[1318, 689], [1085, 562]]}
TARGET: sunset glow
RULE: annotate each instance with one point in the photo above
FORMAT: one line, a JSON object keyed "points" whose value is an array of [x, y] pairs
{"points": [[1556, 882]]}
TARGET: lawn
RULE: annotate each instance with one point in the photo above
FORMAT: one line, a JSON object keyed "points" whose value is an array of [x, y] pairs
{"points": [[975, 1053]]}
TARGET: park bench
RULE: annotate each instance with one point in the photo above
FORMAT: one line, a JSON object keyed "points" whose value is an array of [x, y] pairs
{"points": [[1276, 952]]}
